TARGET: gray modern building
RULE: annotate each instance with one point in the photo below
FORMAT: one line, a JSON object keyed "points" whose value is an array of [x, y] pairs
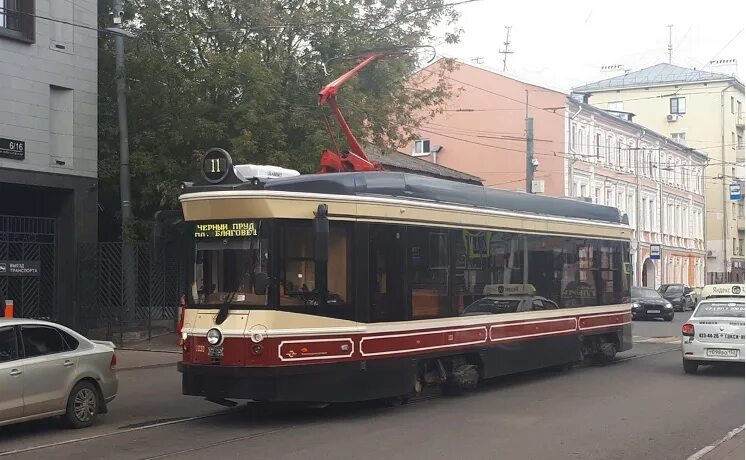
{"points": [[48, 151]]}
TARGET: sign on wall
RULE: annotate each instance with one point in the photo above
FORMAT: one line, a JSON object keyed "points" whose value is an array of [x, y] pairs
{"points": [[735, 191], [655, 252], [20, 267], [13, 149]]}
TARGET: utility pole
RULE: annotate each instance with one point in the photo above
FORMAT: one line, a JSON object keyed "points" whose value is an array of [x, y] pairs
{"points": [[128, 256], [529, 150], [505, 51], [124, 149], [670, 43]]}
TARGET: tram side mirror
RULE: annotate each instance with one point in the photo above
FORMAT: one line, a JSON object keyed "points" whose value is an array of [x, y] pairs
{"points": [[261, 281]]}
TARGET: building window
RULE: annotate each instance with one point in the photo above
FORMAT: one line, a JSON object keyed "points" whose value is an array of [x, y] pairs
{"points": [[583, 190], [17, 19], [573, 136], [598, 146], [609, 146], [732, 105], [735, 247], [679, 137], [739, 141], [631, 154], [678, 105], [422, 146], [739, 112]]}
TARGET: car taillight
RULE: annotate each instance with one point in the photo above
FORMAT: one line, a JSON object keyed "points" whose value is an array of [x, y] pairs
{"points": [[687, 330], [113, 362]]}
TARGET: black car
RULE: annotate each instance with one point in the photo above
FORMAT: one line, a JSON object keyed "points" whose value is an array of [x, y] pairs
{"points": [[648, 303], [680, 295]]}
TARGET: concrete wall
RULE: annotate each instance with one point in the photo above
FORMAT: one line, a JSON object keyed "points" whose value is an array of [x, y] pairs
{"points": [[482, 129], [709, 127], [48, 91]]}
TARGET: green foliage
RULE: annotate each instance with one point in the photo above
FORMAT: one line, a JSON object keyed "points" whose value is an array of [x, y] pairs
{"points": [[244, 75]]}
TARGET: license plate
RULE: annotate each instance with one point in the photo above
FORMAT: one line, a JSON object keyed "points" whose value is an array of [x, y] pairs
{"points": [[722, 353], [653, 311], [214, 352]]}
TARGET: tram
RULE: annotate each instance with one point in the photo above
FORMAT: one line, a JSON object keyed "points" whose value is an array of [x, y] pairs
{"points": [[367, 285], [358, 284]]}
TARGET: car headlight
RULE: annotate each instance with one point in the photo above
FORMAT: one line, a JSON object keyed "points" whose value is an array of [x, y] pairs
{"points": [[669, 305], [635, 305], [214, 337]]}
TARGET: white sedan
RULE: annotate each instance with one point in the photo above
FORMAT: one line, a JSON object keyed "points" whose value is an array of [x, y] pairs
{"points": [[49, 370], [714, 333]]}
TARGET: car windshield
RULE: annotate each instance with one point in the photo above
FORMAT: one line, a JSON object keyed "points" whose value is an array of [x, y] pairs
{"points": [[674, 289], [721, 310], [493, 306], [641, 292]]}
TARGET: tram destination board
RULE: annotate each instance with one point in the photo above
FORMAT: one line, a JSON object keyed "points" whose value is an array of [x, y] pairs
{"points": [[235, 229], [13, 149]]}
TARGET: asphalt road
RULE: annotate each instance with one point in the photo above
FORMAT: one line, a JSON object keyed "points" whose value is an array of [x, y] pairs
{"points": [[641, 407]]}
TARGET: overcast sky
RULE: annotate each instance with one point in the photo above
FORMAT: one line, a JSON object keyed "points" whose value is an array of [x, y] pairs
{"points": [[561, 44]]}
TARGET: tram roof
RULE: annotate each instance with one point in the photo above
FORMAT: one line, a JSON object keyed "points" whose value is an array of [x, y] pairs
{"points": [[423, 188]]}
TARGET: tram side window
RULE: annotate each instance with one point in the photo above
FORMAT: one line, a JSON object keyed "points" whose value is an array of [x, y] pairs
{"points": [[484, 258], [578, 272], [298, 290], [428, 272]]}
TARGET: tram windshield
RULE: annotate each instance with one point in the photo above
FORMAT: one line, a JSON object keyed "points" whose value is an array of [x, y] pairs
{"points": [[230, 261]]}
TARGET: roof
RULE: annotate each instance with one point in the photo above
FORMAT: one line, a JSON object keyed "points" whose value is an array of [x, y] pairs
{"points": [[658, 74], [422, 188], [398, 161]]}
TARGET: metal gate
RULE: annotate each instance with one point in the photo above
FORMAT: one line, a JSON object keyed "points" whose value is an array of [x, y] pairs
{"points": [[27, 266]]}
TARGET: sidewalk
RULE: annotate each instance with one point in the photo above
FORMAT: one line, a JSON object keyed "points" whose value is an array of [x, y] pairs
{"points": [[140, 359], [730, 449]]}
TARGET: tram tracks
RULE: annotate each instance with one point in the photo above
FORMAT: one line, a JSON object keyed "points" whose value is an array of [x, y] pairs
{"points": [[163, 423]]}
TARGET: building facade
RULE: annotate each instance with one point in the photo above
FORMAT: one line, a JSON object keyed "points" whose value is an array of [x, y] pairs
{"points": [[582, 152], [48, 151], [657, 182], [703, 110]]}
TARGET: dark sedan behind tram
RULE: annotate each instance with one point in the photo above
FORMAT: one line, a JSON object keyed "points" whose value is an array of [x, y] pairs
{"points": [[648, 303], [680, 296]]}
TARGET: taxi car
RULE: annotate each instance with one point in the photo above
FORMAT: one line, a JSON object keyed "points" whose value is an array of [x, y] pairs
{"points": [[714, 333], [48, 370], [508, 298], [722, 290]]}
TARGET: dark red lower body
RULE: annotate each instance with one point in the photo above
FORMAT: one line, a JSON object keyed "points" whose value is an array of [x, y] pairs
{"points": [[361, 380]]}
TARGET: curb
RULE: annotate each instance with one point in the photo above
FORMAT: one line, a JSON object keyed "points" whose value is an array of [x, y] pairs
{"points": [[707, 449], [149, 351], [147, 366]]}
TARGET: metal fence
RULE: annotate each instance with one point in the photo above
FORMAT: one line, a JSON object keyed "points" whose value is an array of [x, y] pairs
{"points": [[129, 292]]}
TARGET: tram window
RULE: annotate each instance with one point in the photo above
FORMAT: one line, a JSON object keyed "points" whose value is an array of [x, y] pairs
{"points": [[428, 272], [484, 258], [227, 268], [298, 288]]}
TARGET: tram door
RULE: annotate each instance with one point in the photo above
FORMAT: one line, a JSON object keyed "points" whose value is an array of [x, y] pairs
{"points": [[388, 272]]}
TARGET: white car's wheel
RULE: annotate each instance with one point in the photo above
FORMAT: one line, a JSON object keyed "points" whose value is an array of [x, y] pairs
{"points": [[82, 405]]}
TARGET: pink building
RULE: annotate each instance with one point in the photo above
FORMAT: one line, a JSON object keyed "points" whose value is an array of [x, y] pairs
{"points": [[482, 130]]}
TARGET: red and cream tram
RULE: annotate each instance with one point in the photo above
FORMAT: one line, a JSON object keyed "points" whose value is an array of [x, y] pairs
{"points": [[366, 285]]}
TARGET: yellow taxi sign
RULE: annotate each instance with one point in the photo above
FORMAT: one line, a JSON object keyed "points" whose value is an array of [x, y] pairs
{"points": [[723, 290], [509, 289]]}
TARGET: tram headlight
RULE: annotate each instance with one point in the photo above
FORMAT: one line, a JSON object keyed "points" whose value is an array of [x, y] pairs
{"points": [[257, 337], [214, 337]]}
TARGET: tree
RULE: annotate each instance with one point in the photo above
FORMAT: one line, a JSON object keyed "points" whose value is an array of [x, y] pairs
{"points": [[244, 75]]}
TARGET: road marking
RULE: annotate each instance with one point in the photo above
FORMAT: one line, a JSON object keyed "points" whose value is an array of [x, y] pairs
{"points": [[670, 339], [707, 449], [111, 433]]}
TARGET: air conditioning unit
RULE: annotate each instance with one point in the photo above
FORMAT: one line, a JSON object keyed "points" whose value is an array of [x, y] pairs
{"points": [[672, 117]]}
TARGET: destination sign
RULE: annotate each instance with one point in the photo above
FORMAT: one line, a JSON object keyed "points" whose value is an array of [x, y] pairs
{"points": [[13, 149], [226, 230]]}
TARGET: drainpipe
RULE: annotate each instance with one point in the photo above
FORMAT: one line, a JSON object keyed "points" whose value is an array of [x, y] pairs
{"points": [[724, 187], [638, 272], [660, 203], [572, 160]]}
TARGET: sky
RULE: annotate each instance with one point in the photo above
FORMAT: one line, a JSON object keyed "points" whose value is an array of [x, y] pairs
{"points": [[562, 44]]}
